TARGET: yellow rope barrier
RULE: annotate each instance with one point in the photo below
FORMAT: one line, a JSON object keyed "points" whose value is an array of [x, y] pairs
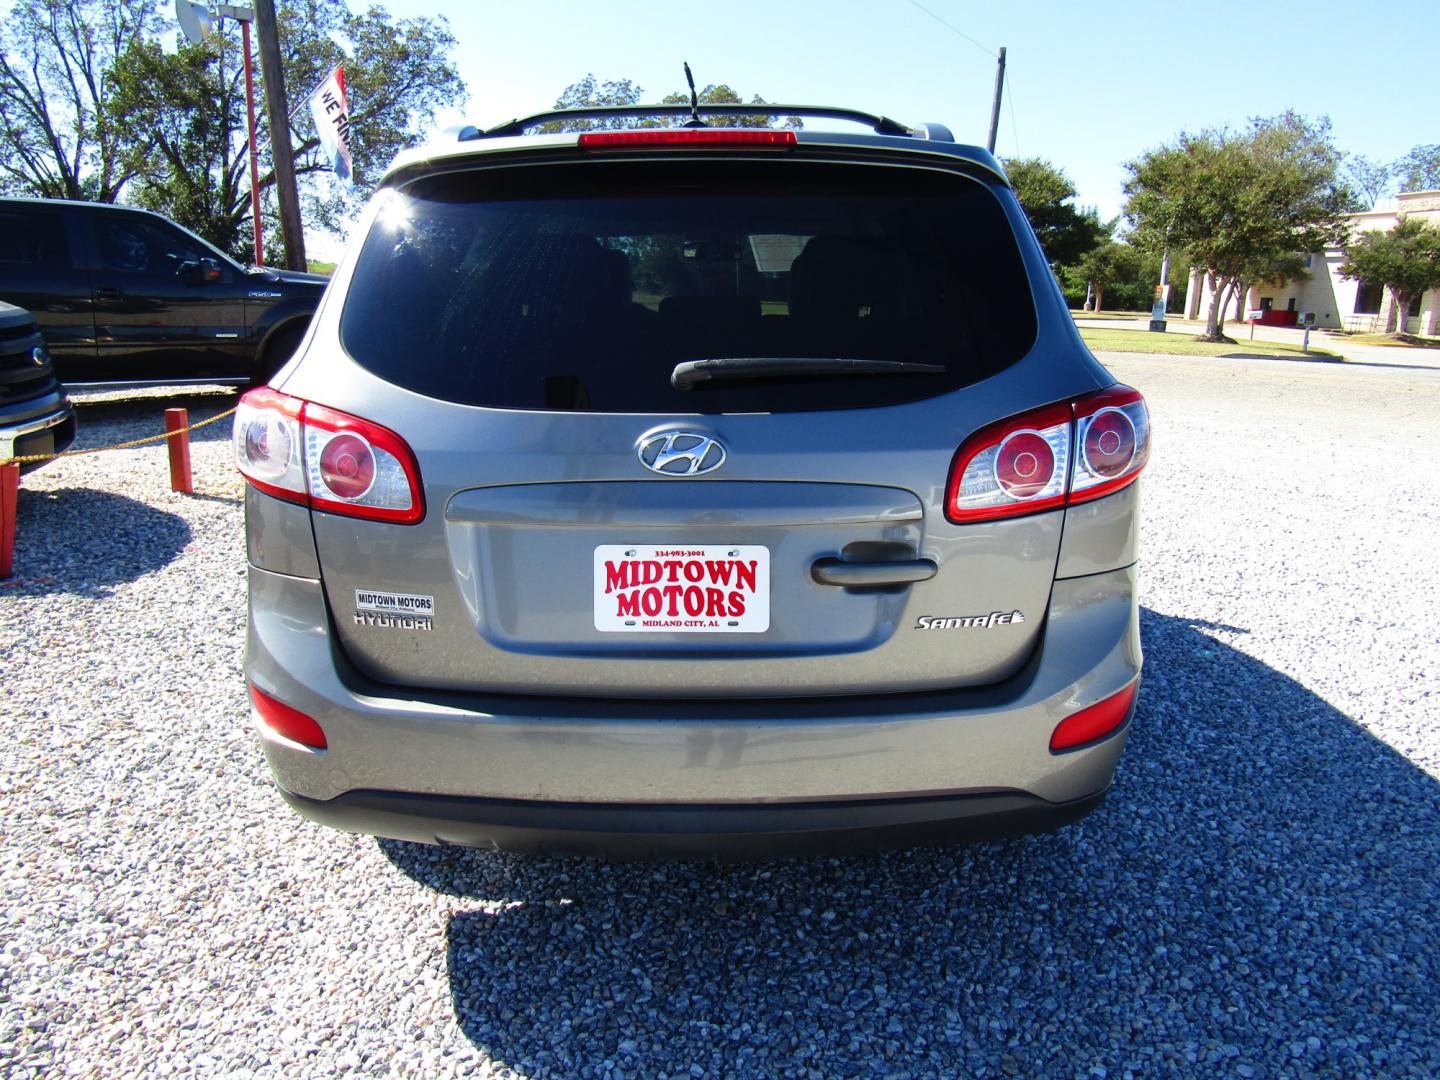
{"points": [[117, 446]]}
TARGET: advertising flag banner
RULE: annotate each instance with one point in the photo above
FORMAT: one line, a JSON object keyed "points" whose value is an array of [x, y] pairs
{"points": [[332, 119]]}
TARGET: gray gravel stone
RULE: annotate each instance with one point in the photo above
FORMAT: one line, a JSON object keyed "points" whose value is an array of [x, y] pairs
{"points": [[1258, 897]]}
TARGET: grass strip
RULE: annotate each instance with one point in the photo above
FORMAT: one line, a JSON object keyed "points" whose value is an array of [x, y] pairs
{"points": [[1183, 344]]}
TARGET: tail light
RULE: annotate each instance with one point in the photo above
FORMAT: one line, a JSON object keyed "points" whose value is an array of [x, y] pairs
{"points": [[1055, 456], [1094, 722], [1112, 434], [326, 459], [287, 721]]}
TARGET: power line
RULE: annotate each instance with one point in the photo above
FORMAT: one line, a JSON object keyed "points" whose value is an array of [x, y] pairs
{"points": [[952, 26]]}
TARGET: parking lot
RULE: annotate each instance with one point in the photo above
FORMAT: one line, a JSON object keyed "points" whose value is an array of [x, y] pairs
{"points": [[1258, 897]]}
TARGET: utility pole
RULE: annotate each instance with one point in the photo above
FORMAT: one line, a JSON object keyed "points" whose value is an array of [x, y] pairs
{"points": [[995, 110], [197, 22], [255, 226], [279, 113]]}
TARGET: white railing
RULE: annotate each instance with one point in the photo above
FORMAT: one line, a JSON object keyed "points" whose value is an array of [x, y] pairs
{"points": [[1360, 324]]}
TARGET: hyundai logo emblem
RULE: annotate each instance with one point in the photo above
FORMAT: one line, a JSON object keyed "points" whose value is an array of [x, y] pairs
{"points": [[681, 453]]}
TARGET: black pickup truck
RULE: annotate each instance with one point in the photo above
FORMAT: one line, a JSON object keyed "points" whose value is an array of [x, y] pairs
{"points": [[126, 295]]}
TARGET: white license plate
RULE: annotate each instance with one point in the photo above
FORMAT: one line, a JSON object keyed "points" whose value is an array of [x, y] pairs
{"points": [[659, 589]]}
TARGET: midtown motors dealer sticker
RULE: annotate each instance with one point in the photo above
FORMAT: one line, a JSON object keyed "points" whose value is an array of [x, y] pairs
{"points": [[390, 603], [711, 589]]}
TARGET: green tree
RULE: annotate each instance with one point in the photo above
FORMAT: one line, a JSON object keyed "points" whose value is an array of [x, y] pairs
{"points": [[55, 79], [590, 92], [1406, 260], [1109, 262], [96, 106], [1240, 202], [1368, 180], [189, 167], [723, 95], [398, 73], [1047, 196], [1419, 170]]}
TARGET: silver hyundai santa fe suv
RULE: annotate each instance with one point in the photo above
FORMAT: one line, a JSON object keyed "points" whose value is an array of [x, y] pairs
{"points": [[697, 490]]}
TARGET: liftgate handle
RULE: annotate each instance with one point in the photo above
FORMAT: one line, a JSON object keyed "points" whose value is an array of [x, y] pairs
{"points": [[860, 575]]}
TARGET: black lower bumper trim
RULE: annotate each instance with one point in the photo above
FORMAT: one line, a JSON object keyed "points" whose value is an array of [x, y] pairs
{"points": [[712, 831]]}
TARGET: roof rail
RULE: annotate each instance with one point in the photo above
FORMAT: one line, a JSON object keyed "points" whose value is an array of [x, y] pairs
{"points": [[881, 125]]}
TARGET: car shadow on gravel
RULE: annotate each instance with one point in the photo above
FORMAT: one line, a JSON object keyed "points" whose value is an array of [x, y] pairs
{"points": [[1258, 897], [85, 542]]}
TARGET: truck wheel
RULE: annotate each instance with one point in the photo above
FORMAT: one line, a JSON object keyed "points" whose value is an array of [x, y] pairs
{"points": [[278, 349]]}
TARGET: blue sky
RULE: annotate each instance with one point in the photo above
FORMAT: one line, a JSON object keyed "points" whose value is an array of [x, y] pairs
{"points": [[1089, 87]]}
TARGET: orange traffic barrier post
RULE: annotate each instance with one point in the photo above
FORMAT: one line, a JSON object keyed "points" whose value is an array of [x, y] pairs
{"points": [[178, 421], [9, 496]]}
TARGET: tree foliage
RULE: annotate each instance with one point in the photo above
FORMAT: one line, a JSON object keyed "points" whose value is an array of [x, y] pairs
{"points": [[1369, 180], [187, 166], [1419, 170], [1131, 286], [1108, 263], [1406, 260], [169, 123], [1242, 203], [56, 56], [723, 95], [1047, 195], [398, 73], [590, 92]]}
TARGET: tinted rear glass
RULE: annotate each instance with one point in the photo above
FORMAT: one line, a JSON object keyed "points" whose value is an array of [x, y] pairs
{"points": [[32, 239], [581, 287]]}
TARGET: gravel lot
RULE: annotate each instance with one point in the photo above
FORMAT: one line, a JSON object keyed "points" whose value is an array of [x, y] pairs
{"points": [[1258, 898]]}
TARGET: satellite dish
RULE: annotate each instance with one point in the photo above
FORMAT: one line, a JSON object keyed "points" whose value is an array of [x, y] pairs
{"points": [[195, 20]]}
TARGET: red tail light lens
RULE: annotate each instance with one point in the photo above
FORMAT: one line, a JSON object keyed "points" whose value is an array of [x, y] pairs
{"points": [[1094, 722], [1109, 444], [1024, 465], [347, 466], [625, 140], [1112, 429], [1054, 456], [326, 459], [287, 721]]}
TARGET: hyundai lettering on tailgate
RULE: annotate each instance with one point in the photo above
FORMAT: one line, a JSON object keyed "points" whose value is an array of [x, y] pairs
{"points": [[710, 589]]}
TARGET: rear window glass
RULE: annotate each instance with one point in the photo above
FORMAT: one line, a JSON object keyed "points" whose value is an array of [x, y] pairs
{"points": [[582, 287], [33, 239]]}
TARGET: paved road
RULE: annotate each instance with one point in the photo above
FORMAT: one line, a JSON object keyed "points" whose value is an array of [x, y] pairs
{"points": [[1258, 898]]}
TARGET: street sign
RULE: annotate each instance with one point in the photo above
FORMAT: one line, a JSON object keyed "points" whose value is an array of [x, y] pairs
{"points": [[1157, 309]]}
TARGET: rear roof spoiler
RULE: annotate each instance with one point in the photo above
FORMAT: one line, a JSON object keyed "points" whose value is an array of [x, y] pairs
{"points": [[456, 139], [881, 125]]}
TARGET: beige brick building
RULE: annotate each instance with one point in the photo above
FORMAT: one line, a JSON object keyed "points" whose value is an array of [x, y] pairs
{"points": [[1335, 300]]}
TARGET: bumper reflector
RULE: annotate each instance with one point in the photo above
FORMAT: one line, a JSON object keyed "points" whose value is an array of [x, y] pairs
{"points": [[289, 722], [1094, 722]]}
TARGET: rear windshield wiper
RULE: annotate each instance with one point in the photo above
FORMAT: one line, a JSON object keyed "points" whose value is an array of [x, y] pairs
{"points": [[689, 374]]}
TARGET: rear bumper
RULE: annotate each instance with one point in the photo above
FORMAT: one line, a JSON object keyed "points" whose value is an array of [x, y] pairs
{"points": [[713, 777], [688, 830]]}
